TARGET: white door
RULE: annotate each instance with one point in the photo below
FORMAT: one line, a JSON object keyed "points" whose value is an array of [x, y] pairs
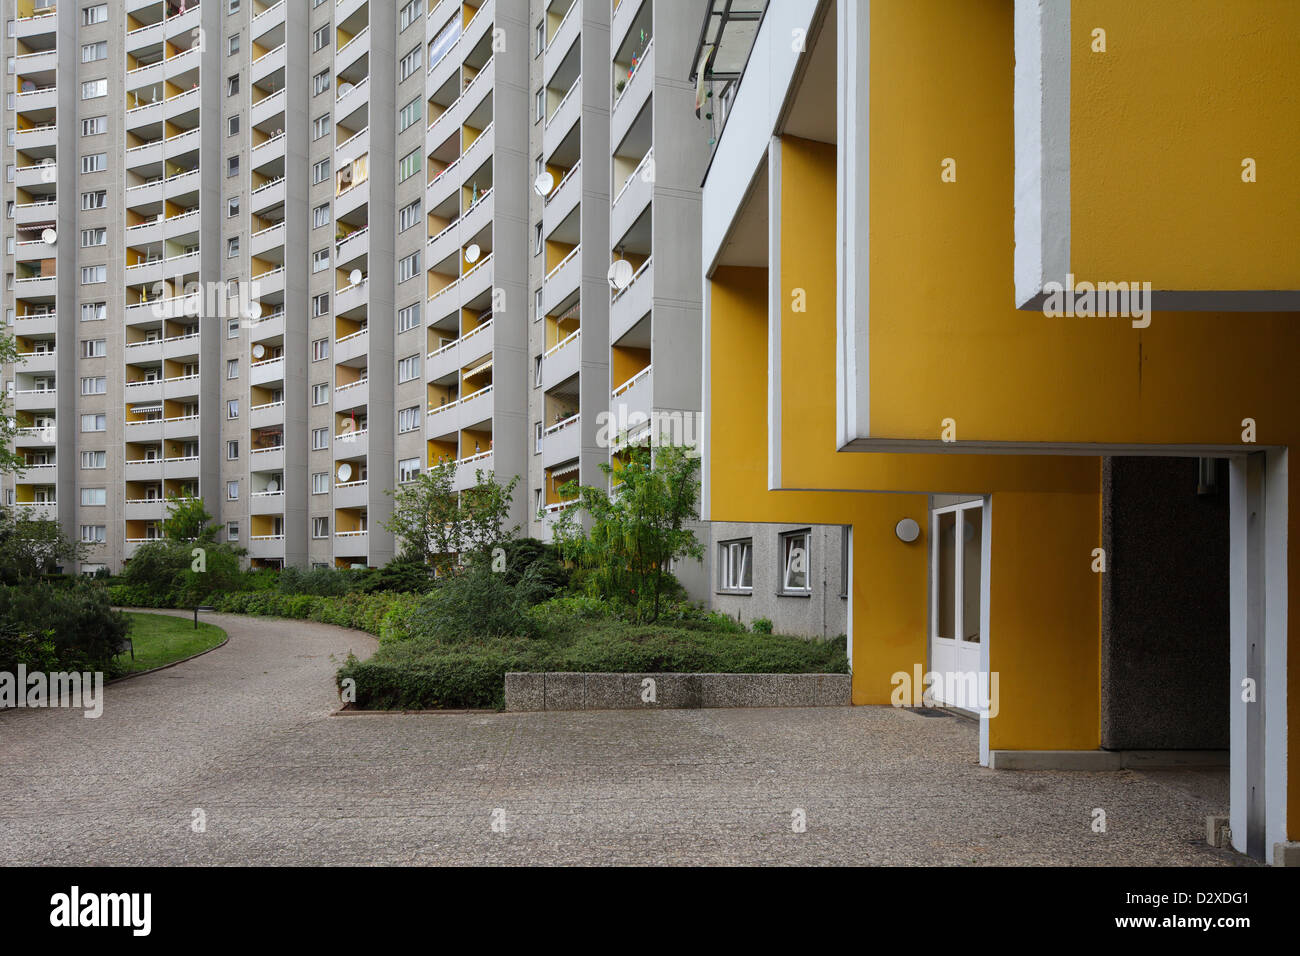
{"points": [[957, 577]]}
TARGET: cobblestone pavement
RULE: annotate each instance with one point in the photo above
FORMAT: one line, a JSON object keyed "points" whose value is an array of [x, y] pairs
{"points": [[245, 734]]}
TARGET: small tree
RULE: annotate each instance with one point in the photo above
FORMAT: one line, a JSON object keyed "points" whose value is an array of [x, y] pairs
{"points": [[32, 547], [187, 565], [435, 523], [11, 461], [637, 529], [188, 520]]}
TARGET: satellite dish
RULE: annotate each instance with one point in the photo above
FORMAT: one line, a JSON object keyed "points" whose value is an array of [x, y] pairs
{"points": [[620, 274], [272, 486], [472, 252], [355, 277], [50, 237], [344, 472], [907, 530], [259, 350], [254, 310], [543, 184], [344, 89]]}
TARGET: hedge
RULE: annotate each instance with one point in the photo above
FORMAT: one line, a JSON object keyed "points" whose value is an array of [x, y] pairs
{"points": [[426, 673]]}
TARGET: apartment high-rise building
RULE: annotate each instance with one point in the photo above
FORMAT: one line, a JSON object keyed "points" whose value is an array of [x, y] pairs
{"points": [[284, 256]]}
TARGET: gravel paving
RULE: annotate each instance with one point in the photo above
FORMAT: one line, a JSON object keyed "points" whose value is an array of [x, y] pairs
{"points": [[245, 735]]}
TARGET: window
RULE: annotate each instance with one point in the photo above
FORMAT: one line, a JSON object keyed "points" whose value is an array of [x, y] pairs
{"points": [[94, 237], [232, 85], [320, 82], [93, 89], [232, 329], [408, 419], [232, 368], [93, 311], [320, 38], [232, 44], [94, 126], [407, 470], [232, 408], [93, 533], [537, 438], [320, 304], [320, 483], [541, 105], [234, 6], [409, 63], [408, 267], [845, 531], [90, 52], [409, 165], [95, 14], [537, 371], [91, 460], [94, 163], [94, 200], [94, 497], [94, 385], [320, 394], [408, 318], [409, 13], [232, 247], [320, 349], [93, 274], [320, 527], [320, 216], [537, 304], [232, 166], [537, 239], [232, 490], [794, 563], [232, 451], [541, 38], [408, 216], [232, 125], [94, 423], [232, 207], [408, 368], [320, 438], [94, 348], [320, 172], [232, 531], [320, 126], [736, 565], [409, 115], [320, 260]]}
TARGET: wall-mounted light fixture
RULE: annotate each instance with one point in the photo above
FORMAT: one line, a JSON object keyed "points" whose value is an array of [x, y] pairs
{"points": [[907, 530]]}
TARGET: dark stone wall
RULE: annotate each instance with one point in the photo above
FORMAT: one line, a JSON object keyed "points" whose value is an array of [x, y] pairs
{"points": [[1164, 627]]}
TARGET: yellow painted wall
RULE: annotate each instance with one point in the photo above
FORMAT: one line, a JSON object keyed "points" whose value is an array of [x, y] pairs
{"points": [[1045, 608], [1159, 126]]}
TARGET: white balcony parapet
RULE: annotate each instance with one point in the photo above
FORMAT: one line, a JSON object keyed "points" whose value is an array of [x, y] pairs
{"points": [[361, 132], [567, 176], [276, 49], [344, 388], [351, 335], [564, 262], [640, 167], [636, 275], [473, 458], [365, 32], [477, 266], [645, 54], [562, 343], [267, 185], [631, 381], [560, 426], [560, 107]]}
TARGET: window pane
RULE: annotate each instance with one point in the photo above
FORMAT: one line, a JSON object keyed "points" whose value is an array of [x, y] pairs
{"points": [[972, 534], [947, 584]]}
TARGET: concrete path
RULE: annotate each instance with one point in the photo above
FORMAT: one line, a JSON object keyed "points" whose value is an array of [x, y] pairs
{"points": [[244, 734]]}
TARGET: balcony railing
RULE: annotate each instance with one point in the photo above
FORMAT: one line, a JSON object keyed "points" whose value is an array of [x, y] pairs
{"points": [[564, 262], [567, 176], [562, 343], [626, 386], [560, 426]]}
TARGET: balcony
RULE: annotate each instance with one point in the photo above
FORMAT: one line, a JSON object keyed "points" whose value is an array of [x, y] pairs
{"points": [[351, 494], [38, 510], [266, 371], [636, 90], [563, 198], [266, 546], [562, 119], [268, 106], [35, 436], [633, 198], [35, 399], [266, 415], [354, 345], [44, 361], [562, 441], [352, 543], [562, 279], [630, 305], [633, 401], [562, 360], [557, 46], [266, 503]]}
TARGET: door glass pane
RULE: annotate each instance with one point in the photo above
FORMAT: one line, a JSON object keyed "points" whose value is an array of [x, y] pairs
{"points": [[972, 532], [946, 537]]}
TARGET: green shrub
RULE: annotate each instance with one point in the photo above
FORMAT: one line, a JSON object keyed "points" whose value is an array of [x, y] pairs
{"points": [[75, 623], [761, 625], [400, 577]]}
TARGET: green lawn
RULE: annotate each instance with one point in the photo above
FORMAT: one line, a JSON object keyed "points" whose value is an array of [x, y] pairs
{"points": [[160, 639]]}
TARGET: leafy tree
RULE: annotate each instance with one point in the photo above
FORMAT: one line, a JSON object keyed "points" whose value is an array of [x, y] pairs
{"points": [[32, 547], [11, 462], [187, 564], [436, 524], [636, 530]]}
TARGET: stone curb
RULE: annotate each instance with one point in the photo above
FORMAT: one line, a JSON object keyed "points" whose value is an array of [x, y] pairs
{"points": [[593, 691]]}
